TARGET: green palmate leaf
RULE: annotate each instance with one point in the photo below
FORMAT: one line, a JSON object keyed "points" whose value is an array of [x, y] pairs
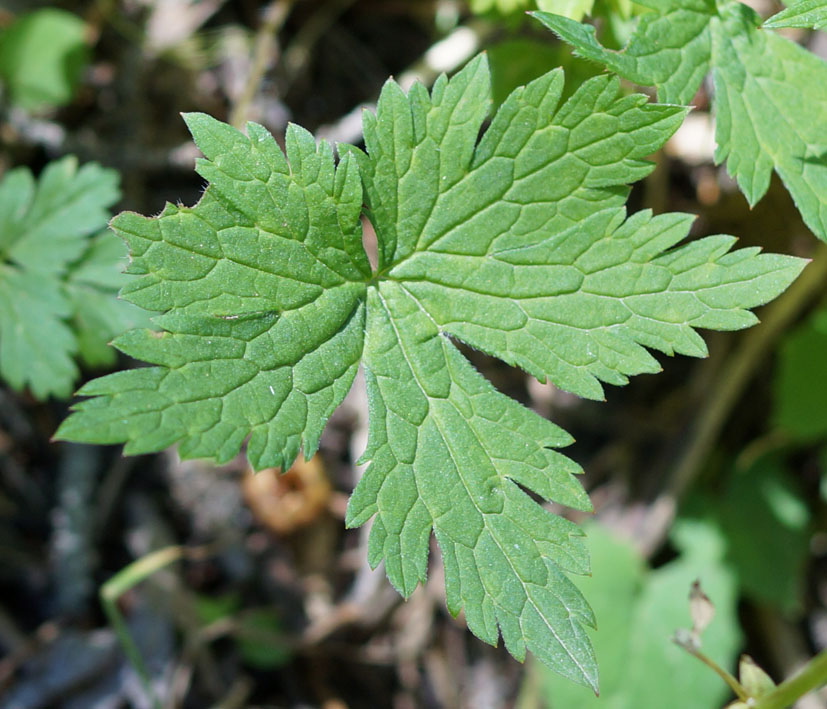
{"points": [[770, 93], [805, 13], [54, 278], [516, 243]]}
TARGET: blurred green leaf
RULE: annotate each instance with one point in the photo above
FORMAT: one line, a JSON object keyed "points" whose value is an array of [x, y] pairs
{"points": [[516, 62], [42, 57], [575, 9], [260, 638], [98, 316], [213, 608], [59, 275], [639, 610], [258, 632], [766, 524], [799, 384]]}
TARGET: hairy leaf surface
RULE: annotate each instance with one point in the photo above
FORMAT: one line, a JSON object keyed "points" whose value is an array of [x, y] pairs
{"points": [[516, 243], [770, 94], [805, 13]]}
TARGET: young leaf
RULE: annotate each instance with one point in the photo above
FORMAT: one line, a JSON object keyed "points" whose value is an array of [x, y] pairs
{"points": [[516, 243], [770, 93], [805, 13], [46, 274]]}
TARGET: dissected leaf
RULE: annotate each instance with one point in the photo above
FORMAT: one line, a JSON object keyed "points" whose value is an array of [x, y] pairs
{"points": [[638, 610], [97, 315], [805, 13], [42, 56], [770, 94], [516, 243], [58, 285]]}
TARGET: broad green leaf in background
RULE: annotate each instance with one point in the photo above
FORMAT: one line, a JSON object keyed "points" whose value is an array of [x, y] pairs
{"points": [[799, 384], [42, 56], [516, 243], [766, 524], [639, 610], [805, 13], [517, 61], [57, 282], [770, 96]]}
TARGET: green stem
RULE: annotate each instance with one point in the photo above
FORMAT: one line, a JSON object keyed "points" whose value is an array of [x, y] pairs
{"points": [[733, 683], [119, 584], [813, 676], [264, 53]]}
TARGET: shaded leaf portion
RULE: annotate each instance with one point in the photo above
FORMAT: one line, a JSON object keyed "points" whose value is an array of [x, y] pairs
{"points": [[45, 225], [261, 286], [799, 385], [771, 106], [805, 13], [770, 94], [53, 302], [448, 451], [517, 61], [766, 522], [42, 57]]}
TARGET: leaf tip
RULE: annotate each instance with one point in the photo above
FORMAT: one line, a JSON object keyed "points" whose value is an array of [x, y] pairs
{"points": [[193, 119]]}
